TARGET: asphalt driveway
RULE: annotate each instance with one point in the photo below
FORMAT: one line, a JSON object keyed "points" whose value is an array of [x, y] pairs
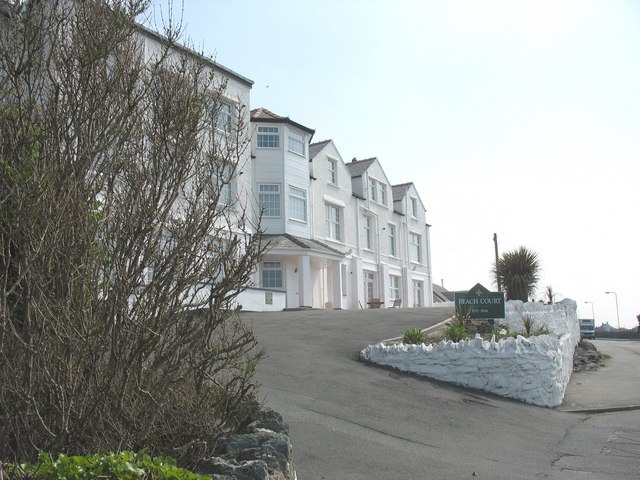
{"points": [[350, 420]]}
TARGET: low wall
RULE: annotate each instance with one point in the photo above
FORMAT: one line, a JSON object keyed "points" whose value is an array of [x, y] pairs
{"points": [[261, 300], [536, 370]]}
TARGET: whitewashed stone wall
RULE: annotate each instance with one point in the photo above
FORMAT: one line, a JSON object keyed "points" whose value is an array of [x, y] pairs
{"points": [[536, 370]]}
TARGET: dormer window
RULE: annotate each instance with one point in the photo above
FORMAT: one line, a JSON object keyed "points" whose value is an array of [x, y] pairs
{"points": [[377, 191], [296, 143], [268, 137]]}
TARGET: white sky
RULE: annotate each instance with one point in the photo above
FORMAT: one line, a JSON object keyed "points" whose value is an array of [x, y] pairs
{"points": [[515, 117]]}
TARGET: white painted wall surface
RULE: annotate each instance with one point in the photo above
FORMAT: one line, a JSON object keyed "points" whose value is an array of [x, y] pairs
{"points": [[254, 300], [535, 370]]}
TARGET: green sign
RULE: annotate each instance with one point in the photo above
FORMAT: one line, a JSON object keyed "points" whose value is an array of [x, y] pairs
{"points": [[480, 303]]}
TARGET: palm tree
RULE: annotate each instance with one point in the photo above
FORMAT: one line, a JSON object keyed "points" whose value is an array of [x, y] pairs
{"points": [[518, 271]]}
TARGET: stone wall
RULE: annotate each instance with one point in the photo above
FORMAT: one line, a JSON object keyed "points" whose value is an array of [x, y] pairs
{"points": [[536, 370]]}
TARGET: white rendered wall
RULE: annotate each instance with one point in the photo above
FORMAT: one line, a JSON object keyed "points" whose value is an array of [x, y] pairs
{"points": [[535, 370], [255, 300]]}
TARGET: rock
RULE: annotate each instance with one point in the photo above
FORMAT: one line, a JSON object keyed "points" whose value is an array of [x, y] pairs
{"points": [[268, 419], [222, 469], [482, 327], [261, 451], [267, 446], [585, 357]]}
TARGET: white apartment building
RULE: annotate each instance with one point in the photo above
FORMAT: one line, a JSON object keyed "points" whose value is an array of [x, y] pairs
{"points": [[342, 236]]}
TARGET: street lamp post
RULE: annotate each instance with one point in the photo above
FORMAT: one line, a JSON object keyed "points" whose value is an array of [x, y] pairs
{"points": [[617, 311], [593, 315]]}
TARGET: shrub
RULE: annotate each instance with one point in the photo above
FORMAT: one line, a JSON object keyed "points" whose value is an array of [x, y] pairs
{"points": [[528, 323], [500, 331], [456, 332], [462, 315], [120, 257], [123, 466], [413, 336]]}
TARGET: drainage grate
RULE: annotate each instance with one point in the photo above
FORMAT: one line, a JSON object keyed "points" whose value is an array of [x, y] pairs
{"points": [[623, 444]]}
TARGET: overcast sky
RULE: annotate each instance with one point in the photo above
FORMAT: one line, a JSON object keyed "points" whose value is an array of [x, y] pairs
{"points": [[515, 117]]}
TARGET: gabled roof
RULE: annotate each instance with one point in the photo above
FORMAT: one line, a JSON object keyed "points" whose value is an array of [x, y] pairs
{"points": [[316, 148], [400, 190], [441, 294], [358, 167], [264, 115]]}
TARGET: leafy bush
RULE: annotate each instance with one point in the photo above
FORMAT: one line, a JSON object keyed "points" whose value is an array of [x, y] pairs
{"points": [[413, 336], [528, 323], [456, 332], [462, 315], [120, 466]]}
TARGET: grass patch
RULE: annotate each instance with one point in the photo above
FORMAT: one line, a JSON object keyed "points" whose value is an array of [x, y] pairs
{"points": [[603, 357]]}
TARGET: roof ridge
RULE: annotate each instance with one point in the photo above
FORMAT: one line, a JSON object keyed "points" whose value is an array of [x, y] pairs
{"points": [[355, 160]]}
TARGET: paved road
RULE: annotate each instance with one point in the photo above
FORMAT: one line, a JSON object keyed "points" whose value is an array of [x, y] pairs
{"points": [[349, 420], [614, 386]]}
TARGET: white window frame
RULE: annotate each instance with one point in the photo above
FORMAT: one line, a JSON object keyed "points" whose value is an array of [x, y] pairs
{"points": [[295, 143], [275, 267], [415, 247], [394, 287], [368, 232], [297, 203], [414, 207], [334, 220], [377, 191], [263, 196], [373, 190], [268, 137], [333, 171], [224, 119], [393, 244]]}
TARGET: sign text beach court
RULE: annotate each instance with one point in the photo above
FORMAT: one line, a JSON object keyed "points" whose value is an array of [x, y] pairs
{"points": [[480, 303]]}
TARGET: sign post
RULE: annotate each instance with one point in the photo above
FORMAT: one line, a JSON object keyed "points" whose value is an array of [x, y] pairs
{"points": [[480, 304]]}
